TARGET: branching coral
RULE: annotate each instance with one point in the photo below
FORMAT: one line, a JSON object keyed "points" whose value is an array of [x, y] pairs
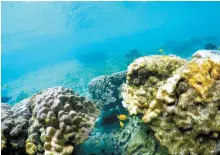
{"points": [[189, 120], [60, 120]]}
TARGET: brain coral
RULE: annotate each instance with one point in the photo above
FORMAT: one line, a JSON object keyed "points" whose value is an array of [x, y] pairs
{"points": [[189, 118], [60, 120]]}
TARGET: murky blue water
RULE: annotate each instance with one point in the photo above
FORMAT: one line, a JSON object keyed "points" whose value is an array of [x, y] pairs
{"points": [[46, 44]]}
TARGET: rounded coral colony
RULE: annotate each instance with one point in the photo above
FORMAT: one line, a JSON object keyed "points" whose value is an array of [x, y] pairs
{"points": [[63, 119], [181, 103]]}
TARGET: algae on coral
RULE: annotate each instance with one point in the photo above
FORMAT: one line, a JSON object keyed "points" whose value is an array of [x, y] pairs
{"points": [[188, 121]]}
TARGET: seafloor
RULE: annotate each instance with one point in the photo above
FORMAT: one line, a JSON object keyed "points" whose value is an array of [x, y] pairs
{"points": [[159, 105]]}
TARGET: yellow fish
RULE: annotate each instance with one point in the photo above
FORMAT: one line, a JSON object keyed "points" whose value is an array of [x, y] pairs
{"points": [[122, 117], [161, 50], [121, 124]]}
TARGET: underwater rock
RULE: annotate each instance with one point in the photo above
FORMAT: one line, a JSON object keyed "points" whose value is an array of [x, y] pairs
{"points": [[60, 120], [106, 89], [184, 112], [15, 125]]}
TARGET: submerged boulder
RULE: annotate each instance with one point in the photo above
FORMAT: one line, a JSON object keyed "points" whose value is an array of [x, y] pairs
{"points": [[183, 110]]}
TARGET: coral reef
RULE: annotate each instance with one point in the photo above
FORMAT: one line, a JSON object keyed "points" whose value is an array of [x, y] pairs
{"points": [[212, 54], [202, 75], [6, 118], [184, 112], [60, 120], [106, 88], [177, 103], [51, 122], [15, 125], [144, 77], [135, 138], [3, 141], [108, 137]]}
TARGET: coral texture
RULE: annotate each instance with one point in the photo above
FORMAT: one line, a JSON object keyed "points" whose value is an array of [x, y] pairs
{"points": [[144, 77], [109, 137], [106, 88], [15, 124], [135, 138], [3, 141], [189, 101], [60, 120]]}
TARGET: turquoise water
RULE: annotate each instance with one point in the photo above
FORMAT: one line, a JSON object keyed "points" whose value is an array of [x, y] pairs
{"points": [[45, 44], [72, 44], [39, 35]]}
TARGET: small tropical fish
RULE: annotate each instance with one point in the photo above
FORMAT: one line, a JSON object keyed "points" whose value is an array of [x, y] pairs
{"points": [[161, 50], [122, 117], [121, 124]]}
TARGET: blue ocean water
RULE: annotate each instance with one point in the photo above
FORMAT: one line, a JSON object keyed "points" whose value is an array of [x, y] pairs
{"points": [[72, 44], [45, 44]]}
